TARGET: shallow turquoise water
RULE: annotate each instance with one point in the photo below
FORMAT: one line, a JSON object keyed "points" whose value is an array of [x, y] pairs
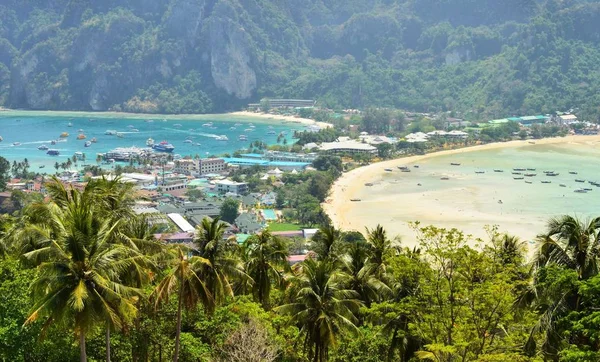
{"points": [[33, 129]]}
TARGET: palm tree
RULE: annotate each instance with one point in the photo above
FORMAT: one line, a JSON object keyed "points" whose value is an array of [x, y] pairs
{"points": [[266, 261], [323, 309], [361, 274], [569, 243], [79, 270], [326, 239], [191, 289], [222, 265], [380, 247]]}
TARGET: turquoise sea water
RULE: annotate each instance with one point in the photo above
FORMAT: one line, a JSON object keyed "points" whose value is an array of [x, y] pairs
{"points": [[33, 129]]}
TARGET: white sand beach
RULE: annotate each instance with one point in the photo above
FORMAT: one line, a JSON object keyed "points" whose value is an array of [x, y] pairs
{"points": [[464, 202], [277, 117]]}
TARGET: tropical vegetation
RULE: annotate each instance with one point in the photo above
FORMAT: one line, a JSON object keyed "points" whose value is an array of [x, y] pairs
{"points": [[82, 277]]}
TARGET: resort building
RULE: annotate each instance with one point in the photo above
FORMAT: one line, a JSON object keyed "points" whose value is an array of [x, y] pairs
{"points": [[249, 162], [417, 137], [347, 147], [568, 118], [225, 186], [199, 166], [181, 223], [211, 165], [290, 103], [282, 156]]}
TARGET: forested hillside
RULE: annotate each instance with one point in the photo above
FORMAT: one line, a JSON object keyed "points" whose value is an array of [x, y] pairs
{"points": [[483, 58]]}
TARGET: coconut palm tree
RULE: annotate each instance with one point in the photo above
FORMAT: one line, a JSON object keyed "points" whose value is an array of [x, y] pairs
{"points": [[266, 262], [322, 307], [325, 240], [380, 246], [191, 288], [568, 243], [223, 265], [361, 276], [79, 269]]}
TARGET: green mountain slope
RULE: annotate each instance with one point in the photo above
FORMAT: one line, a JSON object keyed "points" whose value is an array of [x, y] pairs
{"points": [[483, 58]]}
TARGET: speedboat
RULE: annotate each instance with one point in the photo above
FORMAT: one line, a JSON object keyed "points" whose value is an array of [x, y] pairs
{"points": [[111, 132], [53, 152], [64, 135], [444, 178], [271, 133], [388, 169], [81, 136], [130, 126], [237, 124], [16, 143], [120, 135], [248, 130], [149, 142], [573, 172], [188, 141], [209, 124], [579, 180], [70, 124], [80, 130], [242, 138], [135, 130], [87, 144], [454, 163], [43, 148], [94, 140], [163, 146], [197, 144], [222, 138], [177, 125]]}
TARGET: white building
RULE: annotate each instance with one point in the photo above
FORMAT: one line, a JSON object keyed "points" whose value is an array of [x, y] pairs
{"points": [[181, 223], [225, 186], [199, 166], [417, 137], [347, 147]]}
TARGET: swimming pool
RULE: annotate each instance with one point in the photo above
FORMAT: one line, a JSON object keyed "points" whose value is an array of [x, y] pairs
{"points": [[269, 214]]}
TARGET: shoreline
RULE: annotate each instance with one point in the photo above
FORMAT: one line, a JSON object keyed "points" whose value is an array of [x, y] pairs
{"points": [[344, 213], [236, 116]]}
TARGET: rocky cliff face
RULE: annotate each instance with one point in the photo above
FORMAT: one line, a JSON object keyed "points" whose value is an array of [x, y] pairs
{"points": [[231, 58]]}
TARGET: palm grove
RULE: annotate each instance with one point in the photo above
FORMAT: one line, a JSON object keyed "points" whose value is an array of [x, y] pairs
{"points": [[81, 277]]}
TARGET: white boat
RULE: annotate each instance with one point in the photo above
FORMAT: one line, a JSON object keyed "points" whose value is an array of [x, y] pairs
{"points": [[70, 124], [222, 138], [232, 128], [111, 132], [252, 126], [130, 126], [88, 143], [164, 120], [16, 143], [209, 124], [94, 140], [197, 144], [248, 130], [120, 135], [135, 130], [188, 141], [149, 142], [78, 155], [237, 124], [242, 137], [80, 130], [43, 148]]}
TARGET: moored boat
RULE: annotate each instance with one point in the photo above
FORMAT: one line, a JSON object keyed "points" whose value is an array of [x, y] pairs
{"points": [[64, 135], [149, 142], [454, 164], [163, 146], [81, 136], [53, 152], [579, 180], [94, 140], [43, 148], [16, 143], [87, 143]]}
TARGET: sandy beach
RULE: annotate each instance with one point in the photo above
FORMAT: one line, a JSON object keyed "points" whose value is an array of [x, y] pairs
{"points": [[394, 209], [277, 117]]}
